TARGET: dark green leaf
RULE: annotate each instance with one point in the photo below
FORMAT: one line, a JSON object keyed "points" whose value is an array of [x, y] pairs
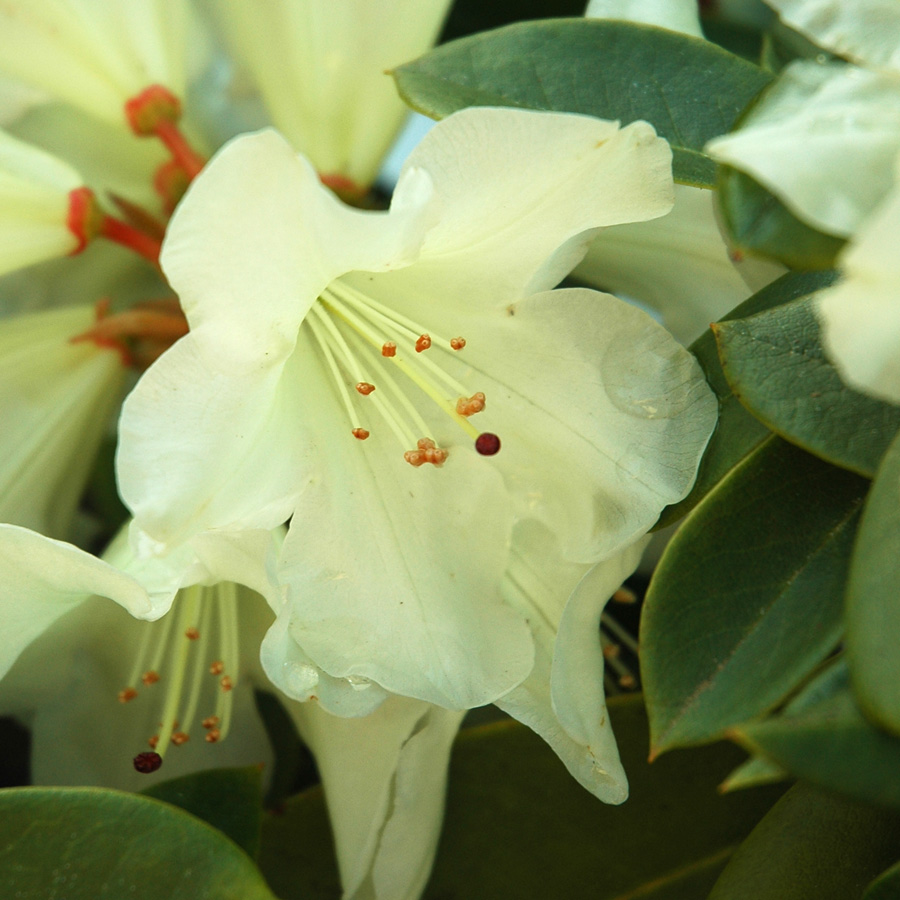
{"points": [[228, 799], [742, 40], [93, 844], [757, 770], [737, 433], [886, 886], [873, 604], [689, 89], [776, 366], [760, 223], [827, 740], [747, 598], [811, 846], [519, 827]]}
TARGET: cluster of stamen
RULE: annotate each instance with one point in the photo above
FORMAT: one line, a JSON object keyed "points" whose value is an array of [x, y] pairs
{"points": [[348, 326], [174, 654]]}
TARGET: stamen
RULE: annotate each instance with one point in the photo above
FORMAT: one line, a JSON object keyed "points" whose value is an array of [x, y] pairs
{"points": [[360, 433], [85, 218], [210, 722], [389, 348], [149, 677], [153, 742], [127, 695], [423, 342], [213, 735], [217, 668], [487, 444], [428, 452], [474, 404], [457, 343], [365, 388], [226, 683], [148, 762], [180, 737], [192, 634]]}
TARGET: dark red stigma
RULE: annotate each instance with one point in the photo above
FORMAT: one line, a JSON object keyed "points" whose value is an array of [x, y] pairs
{"points": [[487, 444], [148, 762]]}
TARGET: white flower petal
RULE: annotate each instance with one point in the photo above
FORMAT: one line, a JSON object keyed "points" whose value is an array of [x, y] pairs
{"points": [[385, 778], [823, 140], [258, 201], [861, 314], [322, 70], [56, 401], [601, 414], [677, 15], [540, 584], [43, 579], [576, 686], [393, 571], [678, 264], [95, 55], [518, 193], [231, 446], [867, 31]]}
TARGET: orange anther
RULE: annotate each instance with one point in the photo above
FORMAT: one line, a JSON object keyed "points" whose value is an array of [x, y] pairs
{"points": [[470, 406], [388, 348], [180, 737], [192, 634], [427, 452], [423, 342], [457, 343], [149, 677], [226, 683], [365, 388], [127, 694], [210, 722], [213, 735], [217, 667], [153, 742], [360, 433]]}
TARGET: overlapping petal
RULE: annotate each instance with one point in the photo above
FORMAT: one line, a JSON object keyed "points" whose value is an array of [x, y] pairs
{"points": [[385, 778], [677, 15], [519, 194], [823, 140]]}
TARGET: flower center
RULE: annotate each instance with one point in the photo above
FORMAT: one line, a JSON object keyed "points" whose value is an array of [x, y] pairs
{"points": [[366, 342], [187, 663]]}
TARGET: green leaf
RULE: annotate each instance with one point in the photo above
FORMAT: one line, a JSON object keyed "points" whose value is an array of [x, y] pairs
{"points": [[747, 598], [755, 771], [737, 433], [759, 223], [94, 844], [228, 799], [827, 740], [886, 886], [689, 89], [518, 826], [811, 846], [776, 366], [873, 610]]}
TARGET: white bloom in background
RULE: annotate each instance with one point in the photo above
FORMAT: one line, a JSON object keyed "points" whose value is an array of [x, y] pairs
{"points": [[861, 314], [336, 365], [98, 686], [677, 15], [678, 264], [96, 54], [56, 403], [35, 205], [824, 138], [321, 69]]}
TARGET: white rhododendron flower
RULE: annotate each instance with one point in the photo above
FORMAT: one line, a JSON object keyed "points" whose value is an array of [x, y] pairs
{"points": [[676, 15], [321, 68], [56, 402], [338, 361], [861, 314], [95, 54]]}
